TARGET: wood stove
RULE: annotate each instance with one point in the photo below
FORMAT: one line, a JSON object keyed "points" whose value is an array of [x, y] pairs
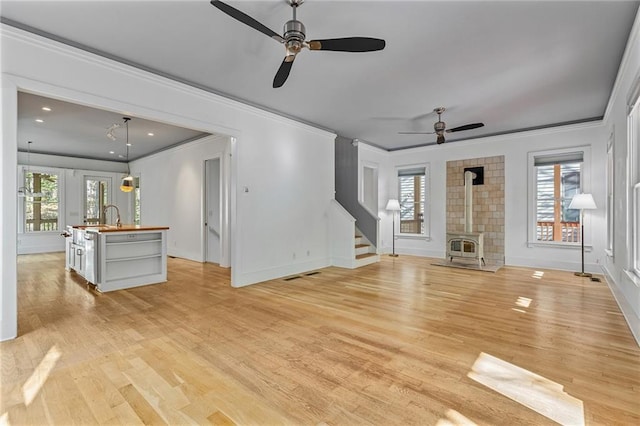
{"points": [[467, 244]]}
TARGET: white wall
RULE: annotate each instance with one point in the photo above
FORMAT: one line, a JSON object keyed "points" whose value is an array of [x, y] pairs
{"points": [[624, 287], [515, 148], [279, 225], [171, 192]]}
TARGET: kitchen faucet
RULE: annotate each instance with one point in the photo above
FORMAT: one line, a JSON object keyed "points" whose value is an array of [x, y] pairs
{"points": [[104, 212]]}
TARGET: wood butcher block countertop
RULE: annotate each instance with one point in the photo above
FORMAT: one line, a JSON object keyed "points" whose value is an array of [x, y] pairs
{"points": [[123, 228]]}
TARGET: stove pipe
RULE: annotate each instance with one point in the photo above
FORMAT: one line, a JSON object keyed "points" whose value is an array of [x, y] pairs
{"points": [[468, 201]]}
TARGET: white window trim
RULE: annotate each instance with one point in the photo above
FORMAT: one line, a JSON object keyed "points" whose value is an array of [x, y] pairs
{"points": [[21, 203], [427, 202], [633, 182], [585, 185], [610, 195], [636, 229]]}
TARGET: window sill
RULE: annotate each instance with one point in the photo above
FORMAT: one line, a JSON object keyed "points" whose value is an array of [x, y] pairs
{"points": [[633, 276], [40, 233], [413, 237], [570, 246]]}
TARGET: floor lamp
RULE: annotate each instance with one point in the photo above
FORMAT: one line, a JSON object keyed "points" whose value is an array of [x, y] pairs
{"points": [[582, 202], [393, 206]]}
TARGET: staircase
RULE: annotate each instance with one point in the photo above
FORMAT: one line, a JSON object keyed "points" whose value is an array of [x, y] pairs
{"points": [[365, 251], [347, 251]]}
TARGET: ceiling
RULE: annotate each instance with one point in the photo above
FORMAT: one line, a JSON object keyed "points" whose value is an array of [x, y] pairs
{"points": [[73, 130], [513, 65]]}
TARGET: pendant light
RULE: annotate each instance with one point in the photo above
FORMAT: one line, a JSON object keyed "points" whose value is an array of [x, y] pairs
{"points": [[23, 191], [127, 182]]}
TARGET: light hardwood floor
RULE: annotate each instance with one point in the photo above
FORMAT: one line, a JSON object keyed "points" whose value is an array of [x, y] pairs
{"points": [[398, 342]]}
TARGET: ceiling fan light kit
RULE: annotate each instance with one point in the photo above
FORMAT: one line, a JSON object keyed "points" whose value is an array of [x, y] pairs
{"points": [[440, 127], [294, 38]]}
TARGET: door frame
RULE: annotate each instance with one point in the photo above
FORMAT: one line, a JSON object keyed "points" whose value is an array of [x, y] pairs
{"points": [[225, 207]]}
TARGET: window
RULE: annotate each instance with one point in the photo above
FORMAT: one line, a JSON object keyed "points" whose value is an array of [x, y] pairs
{"points": [[636, 229], [412, 189], [136, 200], [556, 176], [634, 179], [41, 202], [610, 190]]}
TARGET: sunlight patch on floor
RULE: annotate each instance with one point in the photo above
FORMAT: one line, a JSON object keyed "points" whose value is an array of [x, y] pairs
{"points": [[523, 302], [454, 418], [34, 383], [537, 275], [540, 394], [4, 419]]}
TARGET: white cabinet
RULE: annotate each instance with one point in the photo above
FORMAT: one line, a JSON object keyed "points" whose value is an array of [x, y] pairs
{"points": [[130, 259], [118, 258], [75, 256]]}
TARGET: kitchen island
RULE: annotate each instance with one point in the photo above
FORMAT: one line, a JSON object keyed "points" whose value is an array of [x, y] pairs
{"points": [[117, 257]]}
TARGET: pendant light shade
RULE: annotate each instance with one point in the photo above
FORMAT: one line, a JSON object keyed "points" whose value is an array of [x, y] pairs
{"points": [[127, 182]]}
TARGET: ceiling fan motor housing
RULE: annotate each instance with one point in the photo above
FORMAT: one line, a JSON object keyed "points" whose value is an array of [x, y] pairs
{"points": [[294, 35], [439, 127]]}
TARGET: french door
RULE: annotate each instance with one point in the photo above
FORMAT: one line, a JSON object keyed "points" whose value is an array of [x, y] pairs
{"points": [[97, 194]]}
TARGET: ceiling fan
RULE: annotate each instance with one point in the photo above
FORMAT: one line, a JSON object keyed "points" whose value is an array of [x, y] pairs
{"points": [[440, 127], [294, 38]]}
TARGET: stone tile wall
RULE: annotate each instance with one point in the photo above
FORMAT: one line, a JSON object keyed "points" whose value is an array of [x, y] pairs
{"points": [[488, 203]]}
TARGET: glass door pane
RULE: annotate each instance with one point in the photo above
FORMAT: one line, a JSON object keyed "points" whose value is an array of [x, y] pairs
{"points": [[136, 200], [96, 196]]}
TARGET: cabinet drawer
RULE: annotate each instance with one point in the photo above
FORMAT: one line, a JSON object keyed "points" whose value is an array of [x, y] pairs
{"points": [[133, 268], [138, 249], [124, 237]]}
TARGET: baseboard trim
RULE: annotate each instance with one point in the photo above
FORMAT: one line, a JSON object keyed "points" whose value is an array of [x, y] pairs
{"points": [[627, 311]]}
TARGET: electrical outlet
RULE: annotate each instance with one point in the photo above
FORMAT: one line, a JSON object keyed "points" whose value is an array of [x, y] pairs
{"points": [[308, 252], [294, 255]]}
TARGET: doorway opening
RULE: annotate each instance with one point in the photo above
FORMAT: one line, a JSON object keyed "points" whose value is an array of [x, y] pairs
{"points": [[213, 211]]}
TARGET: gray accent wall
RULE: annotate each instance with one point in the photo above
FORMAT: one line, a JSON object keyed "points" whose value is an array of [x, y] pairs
{"points": [[347, 188]]}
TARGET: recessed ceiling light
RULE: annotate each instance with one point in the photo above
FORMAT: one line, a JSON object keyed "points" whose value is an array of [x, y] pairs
{"points": [[39, 120], [149, 134], [128, 144], [120, 156], [111, 152], [46, 109]]}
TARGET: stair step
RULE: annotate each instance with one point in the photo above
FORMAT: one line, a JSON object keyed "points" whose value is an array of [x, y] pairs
{"points": [[362, 245], [364, 256]]}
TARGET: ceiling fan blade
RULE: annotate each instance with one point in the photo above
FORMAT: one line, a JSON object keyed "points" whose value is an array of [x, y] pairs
{"points": [[465, 127], [416, 133], [246, 19], [283, 71], [348, 44]]}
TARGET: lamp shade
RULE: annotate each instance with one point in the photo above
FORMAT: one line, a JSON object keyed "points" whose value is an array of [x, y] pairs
{"points": [[582, 202], [393, 205], [127, 184]]}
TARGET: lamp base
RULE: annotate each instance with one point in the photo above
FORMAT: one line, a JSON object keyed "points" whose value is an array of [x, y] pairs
{"points": [[582, 274], [393, 255]]}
